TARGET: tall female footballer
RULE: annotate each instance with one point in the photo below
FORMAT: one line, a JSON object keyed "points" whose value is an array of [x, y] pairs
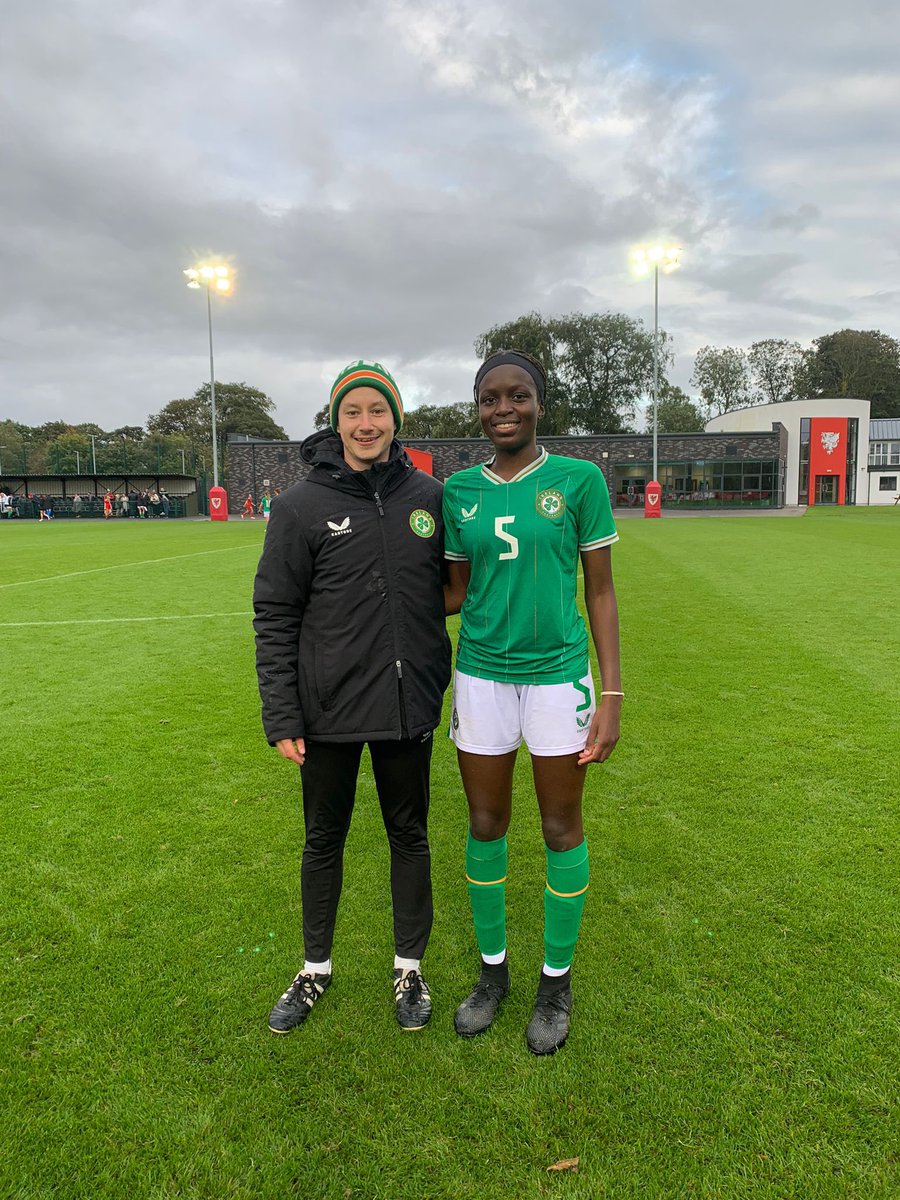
{"points": [[515, 531]]}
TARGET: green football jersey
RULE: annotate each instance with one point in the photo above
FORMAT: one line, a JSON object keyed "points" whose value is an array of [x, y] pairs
{"points": [[522, 538]]}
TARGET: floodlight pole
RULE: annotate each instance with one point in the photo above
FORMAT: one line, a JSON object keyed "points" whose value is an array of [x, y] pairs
{"points": [[212, 385], [655, 369]]}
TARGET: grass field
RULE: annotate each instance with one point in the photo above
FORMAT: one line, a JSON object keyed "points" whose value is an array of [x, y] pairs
{"points": [[737, 982]]}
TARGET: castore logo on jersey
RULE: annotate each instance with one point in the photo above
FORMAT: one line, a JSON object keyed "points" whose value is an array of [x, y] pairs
{"points": [[468, 514]]}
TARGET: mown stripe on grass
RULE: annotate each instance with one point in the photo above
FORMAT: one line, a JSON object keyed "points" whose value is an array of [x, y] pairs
{"points": [[144, 562], [122, 620]]}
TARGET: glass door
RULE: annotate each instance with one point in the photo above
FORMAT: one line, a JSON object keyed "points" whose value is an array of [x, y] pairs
{"points": [[826, 489]]}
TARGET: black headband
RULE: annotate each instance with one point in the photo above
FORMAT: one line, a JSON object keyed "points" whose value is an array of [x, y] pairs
{"points": [[509, 358]]}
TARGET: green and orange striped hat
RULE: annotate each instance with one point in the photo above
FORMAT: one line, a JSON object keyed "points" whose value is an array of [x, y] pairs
{"points": [[366, 374]]}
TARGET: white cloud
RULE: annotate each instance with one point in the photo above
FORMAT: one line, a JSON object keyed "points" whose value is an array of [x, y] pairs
{"points": [[394, 179]]}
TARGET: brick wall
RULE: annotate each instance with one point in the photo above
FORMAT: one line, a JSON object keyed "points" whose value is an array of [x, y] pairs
{"points": [[249, 464]]}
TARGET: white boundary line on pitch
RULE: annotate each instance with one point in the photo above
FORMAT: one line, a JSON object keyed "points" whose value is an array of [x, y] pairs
{"points": [[144, 562], [121, 620]]}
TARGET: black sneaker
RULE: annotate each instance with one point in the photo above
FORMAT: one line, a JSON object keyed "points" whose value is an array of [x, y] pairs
{"points": [[479, 1008], [549, 1025], [412, 998], [297, 1002]]}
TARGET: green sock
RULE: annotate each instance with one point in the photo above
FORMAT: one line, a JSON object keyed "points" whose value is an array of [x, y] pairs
{"points": [[564, 896], [486, 874]]}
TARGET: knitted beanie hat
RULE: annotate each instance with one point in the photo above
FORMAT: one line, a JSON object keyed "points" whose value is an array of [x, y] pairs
{"points": [[365, 374]]}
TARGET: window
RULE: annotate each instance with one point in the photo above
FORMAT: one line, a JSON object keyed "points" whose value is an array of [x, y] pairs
{"points": [[887, 483], [884, 454], [803, 488], [852, 451]]}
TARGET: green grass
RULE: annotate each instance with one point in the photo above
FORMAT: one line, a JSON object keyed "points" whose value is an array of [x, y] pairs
{"points": [[736, 1024]]}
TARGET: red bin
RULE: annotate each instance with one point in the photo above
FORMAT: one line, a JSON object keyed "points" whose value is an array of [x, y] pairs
{"points": [[653, 499], [218, 504]]}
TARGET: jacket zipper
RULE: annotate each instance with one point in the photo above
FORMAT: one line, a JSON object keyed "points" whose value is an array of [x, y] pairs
{"points": [[387, 580]]}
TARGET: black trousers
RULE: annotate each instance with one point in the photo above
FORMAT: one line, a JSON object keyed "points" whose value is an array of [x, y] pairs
{"points": [[329, 775]]}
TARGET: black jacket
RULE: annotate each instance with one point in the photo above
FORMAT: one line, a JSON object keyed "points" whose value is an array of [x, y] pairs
{"points": [[350, 637]]}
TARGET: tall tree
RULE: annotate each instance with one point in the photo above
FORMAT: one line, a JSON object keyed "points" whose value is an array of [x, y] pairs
{"points": [[598, 366], [323, 417], [606, 361], [442, 421], [131, 433], [676, 412], [239, 409], [776, 366], [862, 364], [187, 418], [539, 337], [722, 377]]}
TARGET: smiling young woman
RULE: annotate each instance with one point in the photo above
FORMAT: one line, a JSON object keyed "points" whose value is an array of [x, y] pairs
{"points": [[516, 529], [351, 563]]}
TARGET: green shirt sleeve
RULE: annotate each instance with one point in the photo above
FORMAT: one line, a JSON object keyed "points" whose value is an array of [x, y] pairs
{"points": [[452, 541], [596, 526]]}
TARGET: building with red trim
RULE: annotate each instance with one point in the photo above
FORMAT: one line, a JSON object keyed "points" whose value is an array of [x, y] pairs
{"points": [[835, 453]]}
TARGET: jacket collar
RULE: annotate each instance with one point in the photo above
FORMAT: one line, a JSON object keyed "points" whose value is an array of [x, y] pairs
{"points": [[324, 451]]}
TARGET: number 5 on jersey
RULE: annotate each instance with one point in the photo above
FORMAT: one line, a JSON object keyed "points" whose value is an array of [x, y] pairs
{"points": [[512, 542]]}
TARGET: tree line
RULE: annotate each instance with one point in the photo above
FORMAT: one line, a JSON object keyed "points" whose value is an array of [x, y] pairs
{"points": [[177, 439], [599, 369]]}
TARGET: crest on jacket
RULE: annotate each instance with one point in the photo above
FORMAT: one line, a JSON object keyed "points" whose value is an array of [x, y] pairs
{"points": [[421, 522]]}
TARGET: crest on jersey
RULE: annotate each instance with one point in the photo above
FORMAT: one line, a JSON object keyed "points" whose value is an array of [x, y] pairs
{"points": [[551, 503], [421, 522], [830, 442]]}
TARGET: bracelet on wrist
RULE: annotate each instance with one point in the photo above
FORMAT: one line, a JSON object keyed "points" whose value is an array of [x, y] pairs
{"points": [[622, 694]]}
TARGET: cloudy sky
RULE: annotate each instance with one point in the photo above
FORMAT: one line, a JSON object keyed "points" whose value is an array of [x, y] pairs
{"points": [[391, 179]]}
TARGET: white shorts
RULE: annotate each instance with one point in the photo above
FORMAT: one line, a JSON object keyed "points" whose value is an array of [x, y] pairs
{"points": [[495, 718]]}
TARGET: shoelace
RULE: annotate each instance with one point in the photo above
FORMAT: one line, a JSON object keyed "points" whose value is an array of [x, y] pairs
{"points": [[305, 989], [485, 989], [412, 983], [555, 1001]]}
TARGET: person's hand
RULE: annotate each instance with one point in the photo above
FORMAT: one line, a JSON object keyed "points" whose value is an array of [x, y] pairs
{"points": [[292, 748], [604, 732]]}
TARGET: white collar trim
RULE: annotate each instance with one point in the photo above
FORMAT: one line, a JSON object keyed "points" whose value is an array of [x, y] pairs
{"points": [[538, 462]]}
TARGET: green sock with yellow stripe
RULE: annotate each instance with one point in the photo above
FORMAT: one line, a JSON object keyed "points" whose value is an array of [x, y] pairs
{"points": [[486, 876], [564, 896]]}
